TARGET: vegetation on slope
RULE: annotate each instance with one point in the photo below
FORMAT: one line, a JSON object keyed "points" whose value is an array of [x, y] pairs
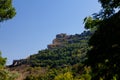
{"points": [[58, 61]]}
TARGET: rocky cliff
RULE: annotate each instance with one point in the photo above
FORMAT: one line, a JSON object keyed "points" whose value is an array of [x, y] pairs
{"points": [[63, 39]]}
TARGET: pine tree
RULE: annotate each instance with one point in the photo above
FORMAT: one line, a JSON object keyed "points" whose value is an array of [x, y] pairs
{"points": [[7, 11]]}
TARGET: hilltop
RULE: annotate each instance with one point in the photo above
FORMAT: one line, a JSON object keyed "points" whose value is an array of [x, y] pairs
{"points": [[66, 51]]}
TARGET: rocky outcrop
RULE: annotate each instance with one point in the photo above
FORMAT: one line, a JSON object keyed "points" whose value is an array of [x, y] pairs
{"points": [[58, 41], [18, 62], [62, 39]]}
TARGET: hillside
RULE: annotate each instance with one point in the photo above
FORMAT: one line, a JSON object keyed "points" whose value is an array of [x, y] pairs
{"points": [[66, 51]]}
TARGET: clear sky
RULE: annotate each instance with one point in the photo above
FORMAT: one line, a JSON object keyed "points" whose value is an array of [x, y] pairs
{"points": [[38, 21]]}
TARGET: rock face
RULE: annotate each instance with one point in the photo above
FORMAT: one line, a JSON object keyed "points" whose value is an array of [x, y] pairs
{"points": [[62, 39], [58, 41]]}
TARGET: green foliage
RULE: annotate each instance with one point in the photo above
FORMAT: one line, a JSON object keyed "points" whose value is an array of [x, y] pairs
{"points": [[87, 74], [91, 23], [2, 61], [61, 62], [65, 76], [110, 3], [69, 54], [109, 7], [104, 56], [4, 73], [7, 11], [7, 75]]}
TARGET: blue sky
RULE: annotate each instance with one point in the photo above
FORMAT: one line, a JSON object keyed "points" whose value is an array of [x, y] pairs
{"points": [[38, 21]]}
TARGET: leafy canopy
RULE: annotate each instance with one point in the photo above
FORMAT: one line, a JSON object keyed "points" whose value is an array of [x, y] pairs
{"points": [[109, 7], [7, 11], [104, 57]]}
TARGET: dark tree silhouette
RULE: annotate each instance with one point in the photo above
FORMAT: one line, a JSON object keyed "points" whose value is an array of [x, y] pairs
{"points": [[104, 57]]}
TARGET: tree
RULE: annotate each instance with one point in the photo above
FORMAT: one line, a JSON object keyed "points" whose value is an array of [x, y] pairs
{"points": [[2, 61], [91, 23], [4, 73], [104, 57], [65, 76], [7, 11], [109, 8]]}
